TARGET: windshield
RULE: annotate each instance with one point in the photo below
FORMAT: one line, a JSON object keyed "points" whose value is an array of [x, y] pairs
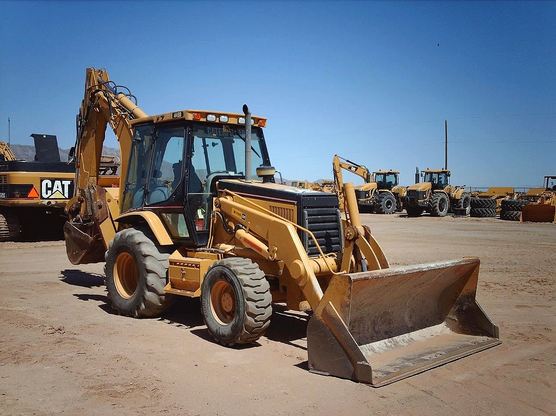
{"points": [[216, 152], [437, 179], [221, 150], [386, 180], [551, 184]]}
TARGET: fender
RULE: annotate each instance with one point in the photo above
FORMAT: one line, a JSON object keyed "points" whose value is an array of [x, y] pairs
{"points": [[386, 191], [153, 222]]}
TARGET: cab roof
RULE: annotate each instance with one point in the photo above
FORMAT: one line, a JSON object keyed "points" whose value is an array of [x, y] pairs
{"points": [[386, 171], [202, 116], [428, 170]]}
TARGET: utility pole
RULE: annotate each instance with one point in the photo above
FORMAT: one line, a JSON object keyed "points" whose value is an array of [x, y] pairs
{"points": [[446, 144], [9, 132]]}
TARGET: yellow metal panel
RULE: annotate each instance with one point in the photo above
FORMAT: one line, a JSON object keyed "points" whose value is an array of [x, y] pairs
{"points": [[154, 223], [186, 272]]}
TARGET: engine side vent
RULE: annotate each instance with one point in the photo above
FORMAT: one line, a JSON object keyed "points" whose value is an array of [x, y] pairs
{"points": [[325, 224]]}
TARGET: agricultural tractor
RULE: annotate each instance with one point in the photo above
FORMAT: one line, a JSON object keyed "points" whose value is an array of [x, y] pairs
{"points": [[436, 196]]}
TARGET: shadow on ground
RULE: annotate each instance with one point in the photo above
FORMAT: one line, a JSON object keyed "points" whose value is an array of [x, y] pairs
{"points": [[285, 327], [79, 278]]}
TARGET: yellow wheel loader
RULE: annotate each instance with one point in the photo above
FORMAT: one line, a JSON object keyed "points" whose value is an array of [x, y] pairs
{"points": [[373, 195], [436, 196], [189, 220], [544, 208]]}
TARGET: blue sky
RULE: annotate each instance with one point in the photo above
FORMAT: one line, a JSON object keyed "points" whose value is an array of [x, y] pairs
{"points": [[371, 81]]}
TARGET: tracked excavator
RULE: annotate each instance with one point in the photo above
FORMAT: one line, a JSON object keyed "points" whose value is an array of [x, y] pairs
{"points": [[188, 219]]}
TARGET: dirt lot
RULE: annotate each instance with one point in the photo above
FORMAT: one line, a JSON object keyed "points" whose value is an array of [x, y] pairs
{"points": [[62, 351]]}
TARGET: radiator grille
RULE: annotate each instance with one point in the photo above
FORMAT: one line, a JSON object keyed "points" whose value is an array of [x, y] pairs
{"points": [[3, 179], [325, 224]]}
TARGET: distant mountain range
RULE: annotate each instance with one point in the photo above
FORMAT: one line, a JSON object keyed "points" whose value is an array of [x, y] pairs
{"points": [[27, 152]]}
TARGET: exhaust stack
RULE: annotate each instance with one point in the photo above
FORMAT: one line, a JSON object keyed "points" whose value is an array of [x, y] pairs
{"points": [[247, 142]]}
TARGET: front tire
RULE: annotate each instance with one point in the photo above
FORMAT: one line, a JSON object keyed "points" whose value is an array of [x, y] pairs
{"points": [[235, 301], [439, 205], [136, 275], [386, 203]]}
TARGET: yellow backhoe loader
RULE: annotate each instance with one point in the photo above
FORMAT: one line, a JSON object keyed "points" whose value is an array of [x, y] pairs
{"points": [[189, 220], [436, 196], [372, 195]]}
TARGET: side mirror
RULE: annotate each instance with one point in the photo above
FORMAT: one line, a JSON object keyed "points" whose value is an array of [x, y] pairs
{"points": [[71, 154]]}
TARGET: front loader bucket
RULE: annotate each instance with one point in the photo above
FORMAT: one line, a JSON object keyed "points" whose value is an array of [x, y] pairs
{"points": [[538, 213], [381, 326]]}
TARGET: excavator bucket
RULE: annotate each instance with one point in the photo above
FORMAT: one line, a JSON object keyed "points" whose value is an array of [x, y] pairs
{"points": [[83, 246], [381, 326], [538, 213]]}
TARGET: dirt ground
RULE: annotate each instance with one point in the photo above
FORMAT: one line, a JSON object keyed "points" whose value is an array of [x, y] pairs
{"points": [[62, 351]]}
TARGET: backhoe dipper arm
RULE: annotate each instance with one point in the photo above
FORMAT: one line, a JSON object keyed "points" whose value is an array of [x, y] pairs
{"points": [[102, 105], [339, 163], [90, 211]]}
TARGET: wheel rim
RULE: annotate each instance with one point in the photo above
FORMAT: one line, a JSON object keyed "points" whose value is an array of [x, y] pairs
{"points": [[442, 205], [223, 302], [126, 275], [388, 205]]}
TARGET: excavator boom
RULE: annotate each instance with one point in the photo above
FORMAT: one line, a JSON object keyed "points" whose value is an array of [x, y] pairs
{"points": [[93, 208]]}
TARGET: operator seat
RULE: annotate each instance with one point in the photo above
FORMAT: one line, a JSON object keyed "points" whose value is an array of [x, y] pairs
{"points": [[158, 191]]}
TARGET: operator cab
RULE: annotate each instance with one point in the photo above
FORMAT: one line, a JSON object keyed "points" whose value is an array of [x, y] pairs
{"points": [[550, 183], [176, 161], [386, 179], [438, 178]]}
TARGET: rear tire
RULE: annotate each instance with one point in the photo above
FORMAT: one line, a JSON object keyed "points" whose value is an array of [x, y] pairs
{"points": [[510, 215], [386, 203], [235, 301], [483, 203], [136, 275], [464, 205], [439, 205], [483, 212], [10, 228], [513, 204]]}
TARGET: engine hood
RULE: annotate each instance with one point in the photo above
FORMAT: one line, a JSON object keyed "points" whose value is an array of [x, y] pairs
{"points": [[422, 186]]}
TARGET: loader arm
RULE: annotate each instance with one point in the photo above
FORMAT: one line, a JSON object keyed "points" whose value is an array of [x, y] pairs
{"points": [[275, 238], [375, 324], [91, 210]]}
